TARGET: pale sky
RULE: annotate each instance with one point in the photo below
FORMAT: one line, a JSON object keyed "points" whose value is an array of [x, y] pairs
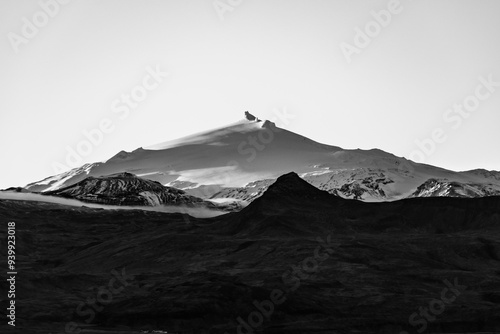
{"points": [[256, 55]]}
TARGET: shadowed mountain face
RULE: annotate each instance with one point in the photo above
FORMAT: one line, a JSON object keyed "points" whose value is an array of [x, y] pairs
{"points": [[125, 189], [308, 210], [296, 260]]}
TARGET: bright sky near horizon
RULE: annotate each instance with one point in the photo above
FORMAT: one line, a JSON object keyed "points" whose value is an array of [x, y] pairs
{"points": [[419, 79]]}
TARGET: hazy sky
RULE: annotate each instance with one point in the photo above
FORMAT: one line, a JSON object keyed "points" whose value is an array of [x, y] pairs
{"points": [[67, 72]]}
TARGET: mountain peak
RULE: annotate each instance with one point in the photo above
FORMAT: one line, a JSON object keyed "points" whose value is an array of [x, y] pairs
{"points": [[291, 184], [250, 117], [268, 125], [126, 175]]}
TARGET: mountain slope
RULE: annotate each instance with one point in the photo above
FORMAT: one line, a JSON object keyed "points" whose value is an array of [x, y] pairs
{"points": [[483, 173], [291, 199], [444, 188], [126, 189]]}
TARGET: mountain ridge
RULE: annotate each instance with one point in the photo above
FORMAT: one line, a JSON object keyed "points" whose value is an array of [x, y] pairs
{"points": [[126, 189], [223, 161], [192, 275]]}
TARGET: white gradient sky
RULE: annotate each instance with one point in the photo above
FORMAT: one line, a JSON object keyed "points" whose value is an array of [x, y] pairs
{"points": [[265, 54]]}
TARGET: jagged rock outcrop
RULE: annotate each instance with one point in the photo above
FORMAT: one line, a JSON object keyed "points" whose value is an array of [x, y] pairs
{"points": [[126, 189], [445, 188]]}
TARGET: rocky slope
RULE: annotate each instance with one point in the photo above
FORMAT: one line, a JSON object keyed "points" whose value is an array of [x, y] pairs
{"points": [[247, 193], [488, 174], [126, 189], [445, 188]]}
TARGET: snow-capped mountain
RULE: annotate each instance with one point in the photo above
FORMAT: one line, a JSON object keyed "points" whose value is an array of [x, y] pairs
{"points": [[242, 159], [62, 180], [126, 189]]}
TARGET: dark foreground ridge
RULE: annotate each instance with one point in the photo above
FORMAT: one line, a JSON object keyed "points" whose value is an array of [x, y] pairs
{"points": [[296, 260]]}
